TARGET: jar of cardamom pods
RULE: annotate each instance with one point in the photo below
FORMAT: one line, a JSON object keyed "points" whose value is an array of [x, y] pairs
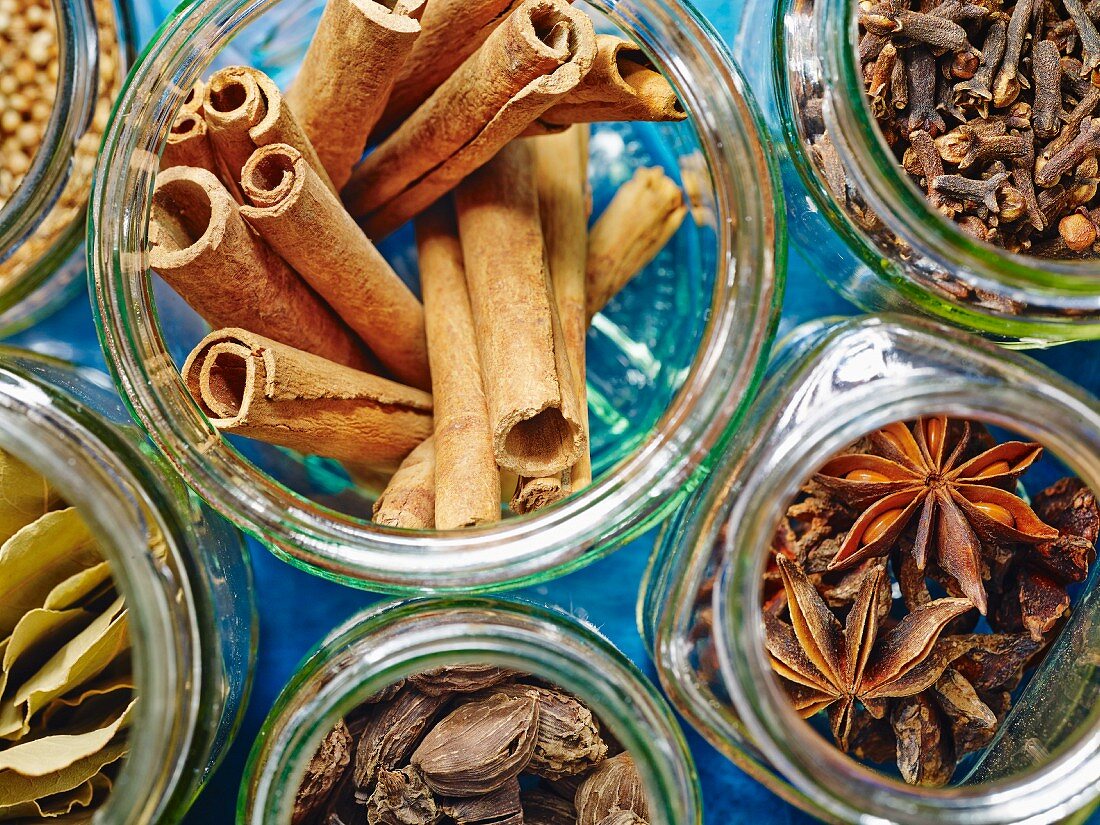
{"points": [[127, 626], [883, 603], [672, 360], [914, 156], [448, 707], [61, 66]]}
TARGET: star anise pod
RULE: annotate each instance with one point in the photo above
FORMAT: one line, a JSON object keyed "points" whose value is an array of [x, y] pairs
{"points": [[827, 666], [961, 502]]}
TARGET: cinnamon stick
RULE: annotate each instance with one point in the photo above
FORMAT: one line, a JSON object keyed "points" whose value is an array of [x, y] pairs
{"points": [[640, 220], [193, 101], [188, 144], [533, 410], [253, 386], [203, 249], [409, 499], [303, 221], [245, 109], [561, 168], [348, 73], [622, 85], [467, 482], [452, 30], [539, 54]]}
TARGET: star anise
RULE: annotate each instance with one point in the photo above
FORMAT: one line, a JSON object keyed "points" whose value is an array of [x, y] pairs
{"points": [[826, 666], [961, 502]]}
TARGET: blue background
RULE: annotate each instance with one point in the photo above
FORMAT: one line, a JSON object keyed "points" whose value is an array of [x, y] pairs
{"points": [[297, 610]]}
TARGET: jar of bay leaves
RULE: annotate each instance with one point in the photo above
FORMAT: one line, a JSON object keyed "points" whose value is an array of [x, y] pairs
{"points": [[955, 741], [866, 216], [178, 639], [448, 653], [62, 63]]}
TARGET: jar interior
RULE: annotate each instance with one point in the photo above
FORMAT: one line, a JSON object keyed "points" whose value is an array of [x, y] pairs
{"points": [[640, 348], [976, 697]]}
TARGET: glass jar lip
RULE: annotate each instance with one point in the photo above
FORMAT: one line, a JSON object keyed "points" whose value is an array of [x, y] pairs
{"points": [[107, 480], [904, 208], [569, 535], [1046, 407], [384, 643]]}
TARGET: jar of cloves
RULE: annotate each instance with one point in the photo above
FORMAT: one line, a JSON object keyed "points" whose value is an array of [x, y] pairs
{"points": [[882, 603], [924, 173], [672, 359], [62, 64], [128, 620], [473, 709]]}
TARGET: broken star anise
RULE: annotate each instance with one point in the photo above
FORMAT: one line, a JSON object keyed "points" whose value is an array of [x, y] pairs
{"points": [[961, 502], [827, 666]]}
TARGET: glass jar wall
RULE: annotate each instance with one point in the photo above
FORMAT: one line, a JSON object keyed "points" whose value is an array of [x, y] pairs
{"points": [[701, 608], [373, 651], [668, 375], [190, 610], [858, 219]]}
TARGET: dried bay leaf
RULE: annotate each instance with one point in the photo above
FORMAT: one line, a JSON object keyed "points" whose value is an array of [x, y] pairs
{"points": [[480, 746], [324, 772], [51, 754], [391, 733], [543, 808], [614, 786], [402, 798], [79, 587], [501, 807], [16, 789], [24, 495], [35, 637], [107, 690], [460, 679]]}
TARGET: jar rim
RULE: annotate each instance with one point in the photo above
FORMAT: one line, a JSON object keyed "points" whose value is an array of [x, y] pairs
{"points": [[387, 642], [724, 374], [1004, 389]]}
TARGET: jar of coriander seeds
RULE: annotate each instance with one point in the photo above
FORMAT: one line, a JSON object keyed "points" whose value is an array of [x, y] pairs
{"points": [[672, 360], [62, 65], [864, 211], [433, 662], [882, 604], [132, 647]]}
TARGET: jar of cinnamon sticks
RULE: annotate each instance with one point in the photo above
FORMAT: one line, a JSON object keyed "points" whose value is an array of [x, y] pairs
{"points": [[882, 604], [127, 623], [366, 729], [468, 312]]}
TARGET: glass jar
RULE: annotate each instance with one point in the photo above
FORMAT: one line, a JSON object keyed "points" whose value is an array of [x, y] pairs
{"points": [[191, 616], [384, 644], [42, 223], [701, 605], [672, 361], [870, 232]]}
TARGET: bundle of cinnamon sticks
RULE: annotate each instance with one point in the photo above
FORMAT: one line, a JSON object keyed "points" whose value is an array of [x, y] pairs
{"points": [[468, 117]]}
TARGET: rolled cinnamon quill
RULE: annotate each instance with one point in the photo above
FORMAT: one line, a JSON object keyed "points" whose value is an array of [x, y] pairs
{"points": [[409, 499], [539, 54], [194, 99], [188, 144], [202, 247], [255, 387], [561, 169], [622, 85], [306, 224], [467, 482], [244, 109], [640, 220], [536, 421], [348, 73]]}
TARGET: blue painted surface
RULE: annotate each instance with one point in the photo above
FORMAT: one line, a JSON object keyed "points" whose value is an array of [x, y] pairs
{"points": [[297, 610]]}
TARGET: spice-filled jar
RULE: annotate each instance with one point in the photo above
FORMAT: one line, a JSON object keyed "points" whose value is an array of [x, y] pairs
{"points": [[993, 718], [878, 231], [62, 64], [123, 681], [433, 663], [671, 361]]}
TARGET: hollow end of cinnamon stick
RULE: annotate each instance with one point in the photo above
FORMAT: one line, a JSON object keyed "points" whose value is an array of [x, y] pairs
{"points": [[224, 383], [537, 442], [270, 176], [186, 215]]}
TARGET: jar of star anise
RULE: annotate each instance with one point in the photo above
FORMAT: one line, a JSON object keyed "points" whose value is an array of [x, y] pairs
{"points": [[471, 711], [883, 605], [923, 173]]}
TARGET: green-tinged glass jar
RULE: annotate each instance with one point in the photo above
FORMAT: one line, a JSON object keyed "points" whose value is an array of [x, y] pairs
{"points": [[701, 606], [191, 613], [672, 361], [857, 218], [385, 644], [42, 222]]}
